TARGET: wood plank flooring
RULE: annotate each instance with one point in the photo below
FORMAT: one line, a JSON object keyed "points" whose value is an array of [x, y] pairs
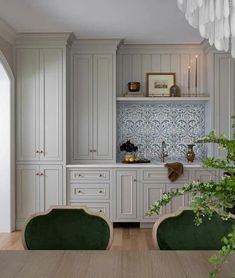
{"points": [[126, 239]]}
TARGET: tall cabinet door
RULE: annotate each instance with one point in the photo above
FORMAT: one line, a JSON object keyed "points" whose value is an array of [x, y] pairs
{"points": [[27, 191], [51, 104], [103, 108], [27, 103], [82, 108], [126, 197], [51, 189]]}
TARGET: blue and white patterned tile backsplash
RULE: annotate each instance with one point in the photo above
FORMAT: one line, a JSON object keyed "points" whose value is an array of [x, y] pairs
{"points": [[147, 125]]}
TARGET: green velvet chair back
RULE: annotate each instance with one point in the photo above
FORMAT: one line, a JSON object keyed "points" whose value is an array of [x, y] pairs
{"points": [[68, 228], [178, 231]]}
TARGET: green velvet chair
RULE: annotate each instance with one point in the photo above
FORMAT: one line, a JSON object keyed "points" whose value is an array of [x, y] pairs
{"points": [[177, 231], [68, 228]]}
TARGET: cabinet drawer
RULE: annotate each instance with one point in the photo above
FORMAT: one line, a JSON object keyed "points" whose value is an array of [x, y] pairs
{"points": [[162, 175], [82, 175], [89, 191], [95, 207]]}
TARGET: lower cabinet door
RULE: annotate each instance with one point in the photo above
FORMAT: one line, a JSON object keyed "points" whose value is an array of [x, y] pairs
{"points": [[177, 202], [27, 191], [126, 197], [96, 207], [51, 186], [152, 192]]}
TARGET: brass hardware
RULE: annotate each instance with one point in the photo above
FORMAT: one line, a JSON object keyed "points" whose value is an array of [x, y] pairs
{"points": [[79, 191], [41, 151], [94, 151], [41, 174], [91, 151], [37, 151], [101, 191], [101, 175], [101, 210], [80, 175], [135, 180], [37, 174]]}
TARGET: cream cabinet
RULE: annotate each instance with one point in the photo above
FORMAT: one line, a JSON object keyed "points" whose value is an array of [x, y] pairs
{"points": [[37, 188], [92, 108], [126, 195], [39, 102], [152, 192]]}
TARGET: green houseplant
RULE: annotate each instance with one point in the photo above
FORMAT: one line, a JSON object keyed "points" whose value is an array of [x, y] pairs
{"points": [[212, 196]]}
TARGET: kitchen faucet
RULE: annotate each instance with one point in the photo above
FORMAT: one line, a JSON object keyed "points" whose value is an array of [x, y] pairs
{"points": [[163, 152]]}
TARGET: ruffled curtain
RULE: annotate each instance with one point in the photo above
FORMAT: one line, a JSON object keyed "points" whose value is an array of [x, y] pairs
{"points": [[215, 20]]}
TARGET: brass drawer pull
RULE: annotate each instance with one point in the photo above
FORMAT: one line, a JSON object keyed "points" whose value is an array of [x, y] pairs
{"points": [[100, 210], [101, 191]]}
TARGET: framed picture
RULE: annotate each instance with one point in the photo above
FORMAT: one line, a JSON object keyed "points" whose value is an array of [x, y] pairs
{"points": [[158, 84]]}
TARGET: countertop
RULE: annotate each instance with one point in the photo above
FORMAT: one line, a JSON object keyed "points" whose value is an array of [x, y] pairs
{"points": [[196, 164]]}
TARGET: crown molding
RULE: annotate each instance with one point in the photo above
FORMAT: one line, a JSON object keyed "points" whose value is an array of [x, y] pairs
{"points": [[7, 32], [44, 39], [159, 48], [95, 45]]}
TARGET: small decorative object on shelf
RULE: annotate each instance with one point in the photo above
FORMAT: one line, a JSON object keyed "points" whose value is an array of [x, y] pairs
{"points": [[159, 84], [190, 155], [130, 152], [134, 86], [174, 91]]}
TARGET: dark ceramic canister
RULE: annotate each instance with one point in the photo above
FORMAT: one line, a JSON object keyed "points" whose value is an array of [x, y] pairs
{"points": [[175, 91]]}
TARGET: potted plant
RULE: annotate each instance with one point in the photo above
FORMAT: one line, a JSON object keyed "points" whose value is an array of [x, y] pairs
{"points": [[212, 196]]}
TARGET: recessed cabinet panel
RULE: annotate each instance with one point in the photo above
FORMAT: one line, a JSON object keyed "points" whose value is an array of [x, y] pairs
{"points": [[205, 175], [51, 108], [27, 103], [126, 194], [89, 191], [96, 207], [103, 107], [177, 202], [86, 175], [51, 191], [27, 191], [152, 193], [82, 107]]}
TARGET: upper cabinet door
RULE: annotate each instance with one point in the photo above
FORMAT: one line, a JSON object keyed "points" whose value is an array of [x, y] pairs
{"points": [[82, 108], [51, 104], [27, 103], [103, 108]]}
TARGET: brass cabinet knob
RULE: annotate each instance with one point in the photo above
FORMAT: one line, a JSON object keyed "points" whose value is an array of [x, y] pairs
{"points": [[41, 174], [94, 151], [101, 175], [41, 151], [37, 151], [79, 191], [100, 210], [134, 180], [37, 174], [101, 191]]}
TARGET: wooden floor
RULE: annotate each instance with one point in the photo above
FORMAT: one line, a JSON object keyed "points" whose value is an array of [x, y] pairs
{"points": [[128, 239]]}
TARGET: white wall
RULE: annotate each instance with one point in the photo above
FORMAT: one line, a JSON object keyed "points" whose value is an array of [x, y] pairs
{"points": [[5, 152]]}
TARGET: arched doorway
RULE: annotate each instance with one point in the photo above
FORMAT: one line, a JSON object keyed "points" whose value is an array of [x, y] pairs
{"points": [[7, 147]]}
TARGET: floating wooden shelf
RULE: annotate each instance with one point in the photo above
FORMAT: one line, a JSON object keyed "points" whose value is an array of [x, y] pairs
{"points": [[164, 99]]}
